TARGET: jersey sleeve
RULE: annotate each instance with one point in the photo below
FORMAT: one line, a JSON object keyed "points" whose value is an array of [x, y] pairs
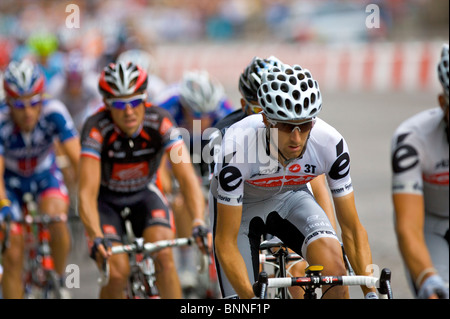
{"points": [[405, 163], [170, 133], [91, 139], [62, 120], [338, 176], [231, 171]]}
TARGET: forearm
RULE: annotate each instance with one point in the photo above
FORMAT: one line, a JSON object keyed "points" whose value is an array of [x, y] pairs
{"points": [[234, 268], [415, 253], [90, 217]]}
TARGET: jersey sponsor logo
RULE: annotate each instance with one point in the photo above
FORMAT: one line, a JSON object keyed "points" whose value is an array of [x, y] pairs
{"points": [[158, 213], [230, 177], [341, 167], [96, 135], [109, 230], [405, 156], [278, 181], [295, 168], [129, 171], [437, 179]]}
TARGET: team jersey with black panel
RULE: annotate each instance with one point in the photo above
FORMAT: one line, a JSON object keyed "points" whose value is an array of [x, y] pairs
{"points": [[245, 171], [129, 163]]}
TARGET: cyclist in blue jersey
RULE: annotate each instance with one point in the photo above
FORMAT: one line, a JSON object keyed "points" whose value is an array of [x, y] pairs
{"points": [[28, 131]]}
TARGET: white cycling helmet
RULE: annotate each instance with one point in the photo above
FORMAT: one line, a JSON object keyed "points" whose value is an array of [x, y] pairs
{"points": [[442, 69], [289, 93], [122, 78], [140, 57], [200, 93]]}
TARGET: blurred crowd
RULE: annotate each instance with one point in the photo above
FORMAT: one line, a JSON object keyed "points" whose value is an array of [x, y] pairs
{"points": [[42, 29]]}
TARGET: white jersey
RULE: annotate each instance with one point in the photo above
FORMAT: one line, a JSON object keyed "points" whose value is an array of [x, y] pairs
{"points": [[420, 160], [246, 173]]}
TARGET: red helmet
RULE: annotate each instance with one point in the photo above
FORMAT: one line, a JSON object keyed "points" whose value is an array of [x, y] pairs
{"points": [[122, 78]]}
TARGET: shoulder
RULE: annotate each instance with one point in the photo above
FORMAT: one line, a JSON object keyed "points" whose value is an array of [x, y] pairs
{"points": [[420, 123], [52, 106], [324, 134]]}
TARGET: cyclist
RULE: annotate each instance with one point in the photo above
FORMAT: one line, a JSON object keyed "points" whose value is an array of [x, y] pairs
{"points": [[197, 102], [420, 162], [28, 129], [260, 182], [122, 146], [249, 82]]}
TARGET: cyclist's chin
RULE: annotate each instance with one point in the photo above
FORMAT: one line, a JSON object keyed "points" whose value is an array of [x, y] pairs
{"points": [[129, 127]]}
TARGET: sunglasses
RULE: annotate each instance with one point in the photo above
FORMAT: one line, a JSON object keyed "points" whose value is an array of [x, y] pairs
{"points": [[21, 104], [290, 127], [121, 104]]}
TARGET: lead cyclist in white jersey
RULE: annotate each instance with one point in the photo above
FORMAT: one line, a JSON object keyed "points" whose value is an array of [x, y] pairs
{"points": [[420, 165], [260, 181]]}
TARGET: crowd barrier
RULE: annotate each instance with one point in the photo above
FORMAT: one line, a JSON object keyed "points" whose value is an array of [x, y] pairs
{"points": [[383, 66]]}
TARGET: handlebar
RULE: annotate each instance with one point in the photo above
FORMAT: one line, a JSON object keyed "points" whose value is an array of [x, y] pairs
{"points": [[313, 281], [138, 246]]}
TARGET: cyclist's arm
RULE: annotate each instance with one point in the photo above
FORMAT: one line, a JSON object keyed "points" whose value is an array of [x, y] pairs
{"points": [[189, 185], [354, 236], [89, 183], [227, 228], [71, 149], [2, 180], [321, 193], [409, 214]]}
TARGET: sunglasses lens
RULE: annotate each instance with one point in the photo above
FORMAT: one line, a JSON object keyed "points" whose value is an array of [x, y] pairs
{"points": [[122, 104], [20, 104], [288, 127]]}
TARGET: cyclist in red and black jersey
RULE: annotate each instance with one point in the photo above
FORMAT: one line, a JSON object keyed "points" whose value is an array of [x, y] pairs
{"points": [[122, 147]]}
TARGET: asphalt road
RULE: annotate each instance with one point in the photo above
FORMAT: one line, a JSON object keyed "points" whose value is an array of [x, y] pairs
{"points": [[367, 121]]}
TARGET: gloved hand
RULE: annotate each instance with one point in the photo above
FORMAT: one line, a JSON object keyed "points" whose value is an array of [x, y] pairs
{"points": [[433, 285], [5, 210], [202, 232], [97, 242]]}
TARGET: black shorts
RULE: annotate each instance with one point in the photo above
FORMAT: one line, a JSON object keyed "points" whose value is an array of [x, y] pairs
{"points": [[143, 209]]}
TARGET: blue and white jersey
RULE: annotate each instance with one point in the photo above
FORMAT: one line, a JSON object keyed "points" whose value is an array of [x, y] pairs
{"points": [[27, 154]]}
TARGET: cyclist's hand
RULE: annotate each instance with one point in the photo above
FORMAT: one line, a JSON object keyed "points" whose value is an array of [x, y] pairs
{"points": [[203, 237], [101, 249], [5, 213], [433, 288]]}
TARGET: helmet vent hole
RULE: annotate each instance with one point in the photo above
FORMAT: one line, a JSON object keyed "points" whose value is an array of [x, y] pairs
{"points": [[293, 80], [281, 77], [265, 88], [313, 98], [306, 103], [296, 94], [304, 86], [289, 71], [274, 86], [269, 99], [310, 84], [279, 100], [300, 76], [284, 87], [298, 108], [288, 104], [308, 75], [270, 77], [281, 114]]}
